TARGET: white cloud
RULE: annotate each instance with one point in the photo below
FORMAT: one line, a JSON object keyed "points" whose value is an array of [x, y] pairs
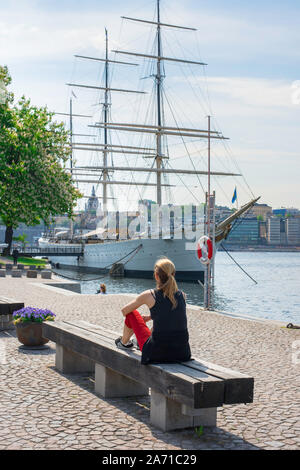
{"points": [[256, 113]]}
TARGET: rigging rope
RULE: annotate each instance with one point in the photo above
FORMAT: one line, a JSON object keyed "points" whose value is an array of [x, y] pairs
{"points": [[237, 263]]}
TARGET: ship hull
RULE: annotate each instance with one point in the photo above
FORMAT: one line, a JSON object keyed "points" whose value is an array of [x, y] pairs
{"points": [[138, 257]]}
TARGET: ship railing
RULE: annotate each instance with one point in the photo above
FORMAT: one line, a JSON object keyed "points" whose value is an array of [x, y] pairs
{"points": [[31, 250]]}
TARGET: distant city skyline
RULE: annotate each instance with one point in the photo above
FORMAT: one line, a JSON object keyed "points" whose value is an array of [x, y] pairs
{"points": [[253, 74]]}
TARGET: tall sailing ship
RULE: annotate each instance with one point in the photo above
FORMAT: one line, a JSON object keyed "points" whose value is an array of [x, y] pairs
{"points": [[138, 253]]}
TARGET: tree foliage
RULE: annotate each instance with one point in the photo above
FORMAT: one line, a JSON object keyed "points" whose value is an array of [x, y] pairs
{"points": [[34, 150]]}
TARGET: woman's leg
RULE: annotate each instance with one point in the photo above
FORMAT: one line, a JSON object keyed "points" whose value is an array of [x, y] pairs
{"points": [[134, 322], [127, 333]]}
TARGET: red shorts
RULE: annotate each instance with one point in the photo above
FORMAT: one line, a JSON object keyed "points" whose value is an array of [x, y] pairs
{"points": [[135, 322]]}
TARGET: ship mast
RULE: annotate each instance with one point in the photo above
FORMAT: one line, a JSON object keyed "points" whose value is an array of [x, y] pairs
{"points": [[106, 105], [158, 130], [71, 158], [159, 80]]}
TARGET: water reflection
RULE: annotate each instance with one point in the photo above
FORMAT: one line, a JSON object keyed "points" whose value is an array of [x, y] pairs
{"points": [[276, 296]]}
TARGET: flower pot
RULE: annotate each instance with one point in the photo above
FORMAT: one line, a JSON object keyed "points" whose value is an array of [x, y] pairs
{"points": [[30, 334]]}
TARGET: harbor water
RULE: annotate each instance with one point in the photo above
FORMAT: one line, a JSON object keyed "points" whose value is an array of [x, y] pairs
{"points": [[276, 295]]}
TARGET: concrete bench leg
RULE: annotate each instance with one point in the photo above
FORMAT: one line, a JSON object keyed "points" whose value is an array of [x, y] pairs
{"points": [[6, 322], [167, 414], [110, 384], [69, 362]]}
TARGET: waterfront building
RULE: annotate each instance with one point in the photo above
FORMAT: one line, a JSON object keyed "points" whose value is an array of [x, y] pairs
{"points": [[286, 212], [293, 230], [222, 212], [274, 230], [280, 212], [263, 231], [261, 210], [245, 232]]}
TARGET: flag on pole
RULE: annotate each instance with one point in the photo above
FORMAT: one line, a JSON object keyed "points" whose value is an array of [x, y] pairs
{"points": [[234, 198]]}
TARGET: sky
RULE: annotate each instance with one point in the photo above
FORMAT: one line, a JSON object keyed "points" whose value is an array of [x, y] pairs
{"points": [[250, 87]]}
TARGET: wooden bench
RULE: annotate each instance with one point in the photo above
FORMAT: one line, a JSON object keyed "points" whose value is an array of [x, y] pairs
{"points": [[182, 395], [7, 308]]}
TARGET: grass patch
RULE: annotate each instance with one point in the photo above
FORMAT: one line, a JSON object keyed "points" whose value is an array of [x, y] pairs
{"points": [[28, 261]]}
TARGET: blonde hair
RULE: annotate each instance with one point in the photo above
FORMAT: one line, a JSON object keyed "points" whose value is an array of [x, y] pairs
{"points": [[165, 270], [103, 287]]}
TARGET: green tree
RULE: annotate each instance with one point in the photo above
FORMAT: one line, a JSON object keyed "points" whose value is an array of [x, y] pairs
{"points": [[34, 149]]}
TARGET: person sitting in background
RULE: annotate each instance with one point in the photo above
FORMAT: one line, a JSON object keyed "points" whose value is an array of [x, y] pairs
{"points": [[102, 289], [168, 341]]}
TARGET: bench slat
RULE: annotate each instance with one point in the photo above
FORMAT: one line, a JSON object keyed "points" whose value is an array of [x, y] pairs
{"points": [[8, 306], [238, 386]]}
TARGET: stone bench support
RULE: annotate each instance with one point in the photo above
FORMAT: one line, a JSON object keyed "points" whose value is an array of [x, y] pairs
{"points": [[69, 362], [6, 322], [167, 414], [110, 384]]}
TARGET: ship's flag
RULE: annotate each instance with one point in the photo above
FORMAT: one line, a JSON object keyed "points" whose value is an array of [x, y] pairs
{"points": [[234, 197]]}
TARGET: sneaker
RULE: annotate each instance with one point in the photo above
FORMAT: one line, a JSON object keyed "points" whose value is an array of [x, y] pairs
{"points": [[120, 345]]}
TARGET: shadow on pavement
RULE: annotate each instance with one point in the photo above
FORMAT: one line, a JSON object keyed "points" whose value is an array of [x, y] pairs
{"points": [[139, 409]]}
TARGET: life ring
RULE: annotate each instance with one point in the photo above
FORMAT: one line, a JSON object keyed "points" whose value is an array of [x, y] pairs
{"points": [[205, 250]]}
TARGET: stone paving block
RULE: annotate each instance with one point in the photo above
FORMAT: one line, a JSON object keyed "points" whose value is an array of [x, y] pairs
{"points": [[35, 396]]}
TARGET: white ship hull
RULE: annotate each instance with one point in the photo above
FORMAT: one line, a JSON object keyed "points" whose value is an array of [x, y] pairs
{"points": [[139, 263]]}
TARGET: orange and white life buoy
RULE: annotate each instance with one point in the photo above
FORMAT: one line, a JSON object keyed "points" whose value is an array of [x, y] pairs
{"points": [[205, 250]]}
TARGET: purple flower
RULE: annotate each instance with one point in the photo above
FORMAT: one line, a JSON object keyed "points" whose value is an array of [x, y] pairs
{"points": [[33, 314]]}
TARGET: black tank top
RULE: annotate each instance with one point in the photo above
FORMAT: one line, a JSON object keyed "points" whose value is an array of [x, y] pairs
{"points": [[169, 341]]}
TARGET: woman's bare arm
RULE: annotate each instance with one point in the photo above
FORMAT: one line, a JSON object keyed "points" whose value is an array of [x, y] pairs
{"points": [[145, 298]]}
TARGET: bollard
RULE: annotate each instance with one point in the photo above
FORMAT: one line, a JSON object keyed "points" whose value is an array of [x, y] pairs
{"points": [[46, 274], [31, 274], [16, 273]]}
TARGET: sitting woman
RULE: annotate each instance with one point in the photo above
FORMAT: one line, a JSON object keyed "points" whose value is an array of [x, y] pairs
{"points": [[102, 289], [169, 339]]}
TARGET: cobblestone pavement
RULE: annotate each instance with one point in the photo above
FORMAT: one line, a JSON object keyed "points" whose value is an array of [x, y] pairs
{"points": [[43, 409]]}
